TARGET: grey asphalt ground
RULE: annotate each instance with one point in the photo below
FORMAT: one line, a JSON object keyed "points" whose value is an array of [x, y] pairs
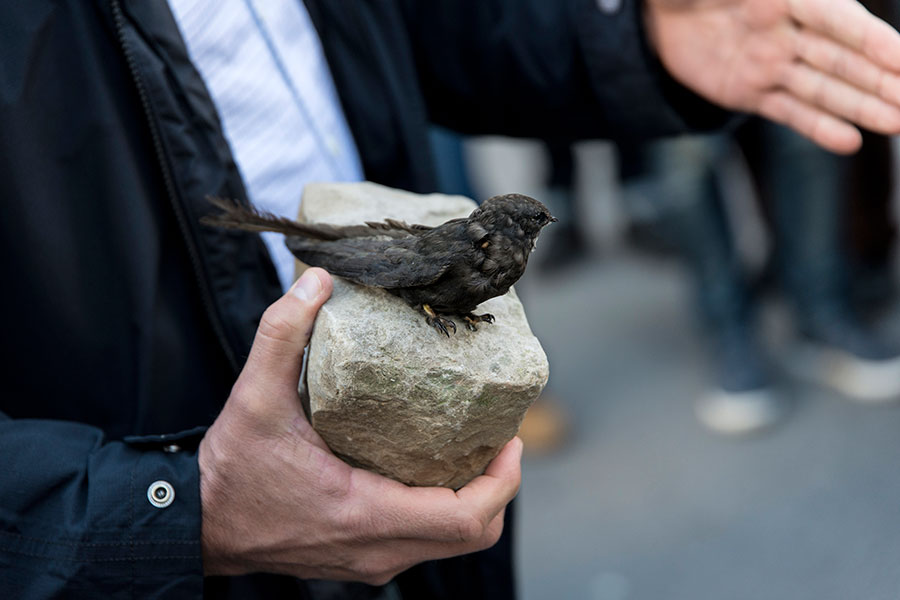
{"points": [[642, 503]]}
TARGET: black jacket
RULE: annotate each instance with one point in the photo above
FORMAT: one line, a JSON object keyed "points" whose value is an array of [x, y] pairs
{"points": [[125, 322]]}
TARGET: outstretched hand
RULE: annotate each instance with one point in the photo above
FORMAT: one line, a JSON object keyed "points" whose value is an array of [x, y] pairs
{"points": [[818, 66], [276, 500]]}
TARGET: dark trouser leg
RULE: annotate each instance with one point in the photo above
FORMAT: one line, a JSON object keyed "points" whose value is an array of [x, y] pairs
{"points": [[682, 174], [808, 188]]}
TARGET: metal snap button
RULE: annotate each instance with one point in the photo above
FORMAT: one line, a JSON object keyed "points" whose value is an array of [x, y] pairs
{"points": [[160, 493], [172, 448], [609, 6]]}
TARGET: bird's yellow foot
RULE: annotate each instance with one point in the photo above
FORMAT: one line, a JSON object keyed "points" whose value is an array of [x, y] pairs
{"points": [[442, 324], [472, 319]]}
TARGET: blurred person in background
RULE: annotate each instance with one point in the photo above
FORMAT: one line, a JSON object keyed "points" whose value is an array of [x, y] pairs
{"points": [[809, 196], [807, 192]]}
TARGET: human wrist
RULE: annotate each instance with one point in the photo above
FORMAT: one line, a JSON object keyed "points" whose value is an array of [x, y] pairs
{"points": [[219, 554]]}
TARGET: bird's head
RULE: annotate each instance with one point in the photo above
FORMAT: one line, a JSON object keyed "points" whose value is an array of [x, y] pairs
{"points": [[514, 210]]}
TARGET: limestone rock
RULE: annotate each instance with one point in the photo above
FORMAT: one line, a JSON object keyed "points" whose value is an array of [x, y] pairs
{"points": [[390, 394]]}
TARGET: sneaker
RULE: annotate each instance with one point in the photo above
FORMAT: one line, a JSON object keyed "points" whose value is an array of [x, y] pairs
{"points": [[743, 401], [846, 357], [739, 413]]}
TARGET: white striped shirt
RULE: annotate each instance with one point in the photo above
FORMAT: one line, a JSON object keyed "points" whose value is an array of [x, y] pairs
{"points": [[265, 70]]}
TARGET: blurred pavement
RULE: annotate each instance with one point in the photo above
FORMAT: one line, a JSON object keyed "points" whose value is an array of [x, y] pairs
{"points": [[644, 504]]}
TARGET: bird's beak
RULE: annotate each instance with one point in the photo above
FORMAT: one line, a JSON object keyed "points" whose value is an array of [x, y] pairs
{"points": [[553, 220]]}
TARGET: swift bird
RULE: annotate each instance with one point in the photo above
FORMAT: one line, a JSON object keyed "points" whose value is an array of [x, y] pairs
{"points": [[445, 270]]}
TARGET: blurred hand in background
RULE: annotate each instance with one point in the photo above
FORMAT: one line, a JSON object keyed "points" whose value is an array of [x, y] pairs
{"points": [[818, 66]]}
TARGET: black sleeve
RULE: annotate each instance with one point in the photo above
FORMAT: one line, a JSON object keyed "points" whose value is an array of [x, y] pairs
{"points": [[561, 69], [77, 521]]}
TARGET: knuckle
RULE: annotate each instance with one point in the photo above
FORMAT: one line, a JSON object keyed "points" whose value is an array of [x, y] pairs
{"points": [[245, 400], [379, 579], [278, 325], [493, 533], [375, 572], [469, 528], [241, 389], [331, 480]]}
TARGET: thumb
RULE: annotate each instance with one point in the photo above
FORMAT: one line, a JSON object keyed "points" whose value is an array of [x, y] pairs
{"points": [[273, 367]]}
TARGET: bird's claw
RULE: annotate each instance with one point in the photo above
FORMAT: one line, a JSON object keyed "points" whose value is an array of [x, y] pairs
{"points": [[442, 324], [471, 320]]}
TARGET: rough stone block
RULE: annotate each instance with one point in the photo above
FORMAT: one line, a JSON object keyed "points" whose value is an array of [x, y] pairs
{"points": [[390, 394]]}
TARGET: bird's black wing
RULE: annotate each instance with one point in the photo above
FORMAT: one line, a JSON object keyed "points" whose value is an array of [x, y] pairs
{"points": [[395, 228], [385, 263]]}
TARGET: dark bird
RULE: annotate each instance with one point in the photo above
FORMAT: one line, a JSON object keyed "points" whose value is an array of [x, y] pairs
{"points": [[445, 270]]}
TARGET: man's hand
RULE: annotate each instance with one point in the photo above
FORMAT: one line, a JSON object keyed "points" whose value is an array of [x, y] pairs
{"points": [[276, 500], [814, 65]]}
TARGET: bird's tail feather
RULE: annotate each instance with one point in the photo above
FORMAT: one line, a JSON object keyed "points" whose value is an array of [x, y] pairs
{"points": [[248, 218]]}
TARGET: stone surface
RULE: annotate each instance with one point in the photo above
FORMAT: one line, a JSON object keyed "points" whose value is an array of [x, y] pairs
{"points": [[385, 390]]}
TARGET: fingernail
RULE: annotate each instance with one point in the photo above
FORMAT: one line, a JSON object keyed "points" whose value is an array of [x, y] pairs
{"points": [[307, 287]]}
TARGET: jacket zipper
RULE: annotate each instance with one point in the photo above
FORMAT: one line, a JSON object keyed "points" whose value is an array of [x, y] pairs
{"points": [[205, 294]]}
